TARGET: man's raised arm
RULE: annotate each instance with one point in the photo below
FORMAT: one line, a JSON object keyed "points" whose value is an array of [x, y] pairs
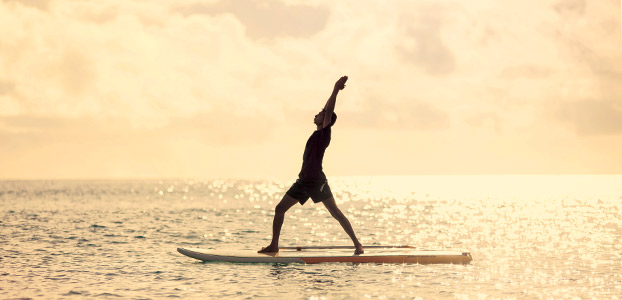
{"points": [[329, 108]]}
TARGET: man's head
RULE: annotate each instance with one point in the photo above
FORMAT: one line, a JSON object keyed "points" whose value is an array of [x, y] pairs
{"points": [[319, 118]]}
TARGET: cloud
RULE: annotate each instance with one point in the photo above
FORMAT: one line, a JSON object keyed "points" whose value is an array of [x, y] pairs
{"points": [[222, 127], [424, 44], [576, 7], [32, 123], [485, 120], [526, 71], [600, 117], [6, 87], [219, 126], [156, 80], [401, 116], [603, 58], [589, 100], [267, 19], [78, 71], [38, 4], [593, 38], [62, 64], [104, 12]]}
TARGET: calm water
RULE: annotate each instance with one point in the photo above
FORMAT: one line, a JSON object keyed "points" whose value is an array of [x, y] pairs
{"points": [[531, 237]]}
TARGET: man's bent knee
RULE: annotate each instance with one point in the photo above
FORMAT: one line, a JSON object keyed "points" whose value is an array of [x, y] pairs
{"points": [[285, 204], [280, 209]]}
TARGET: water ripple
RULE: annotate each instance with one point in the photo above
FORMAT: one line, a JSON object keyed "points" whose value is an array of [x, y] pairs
{"points": [[531, 237]]}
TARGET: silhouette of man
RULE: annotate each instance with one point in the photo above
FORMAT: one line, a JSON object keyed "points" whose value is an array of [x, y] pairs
{"points": [[311, 181]]}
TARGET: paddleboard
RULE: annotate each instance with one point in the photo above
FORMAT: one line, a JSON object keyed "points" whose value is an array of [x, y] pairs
{"points": [[335, 254]]}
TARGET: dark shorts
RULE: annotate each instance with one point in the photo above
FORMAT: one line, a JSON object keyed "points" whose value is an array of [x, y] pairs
{"points": [[301, 190]]}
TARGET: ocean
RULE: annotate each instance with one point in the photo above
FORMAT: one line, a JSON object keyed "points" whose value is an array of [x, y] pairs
{"points": [[531, 237]]}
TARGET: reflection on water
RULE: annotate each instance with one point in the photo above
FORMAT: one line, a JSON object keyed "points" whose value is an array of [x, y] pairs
{"points": [[530, 237]]}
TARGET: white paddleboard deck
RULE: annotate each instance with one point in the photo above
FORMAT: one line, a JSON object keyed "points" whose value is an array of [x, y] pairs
{"points": [[407, 255]]}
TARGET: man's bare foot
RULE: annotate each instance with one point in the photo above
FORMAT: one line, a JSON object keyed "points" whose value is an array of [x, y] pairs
{"points": [[359, 250], [269, 249]]}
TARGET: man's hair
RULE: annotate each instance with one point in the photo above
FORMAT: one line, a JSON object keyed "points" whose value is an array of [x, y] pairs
{"points": [[333, 119]]}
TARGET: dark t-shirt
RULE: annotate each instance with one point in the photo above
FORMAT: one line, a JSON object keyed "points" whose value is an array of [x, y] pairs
{"points": [[314, 153]]}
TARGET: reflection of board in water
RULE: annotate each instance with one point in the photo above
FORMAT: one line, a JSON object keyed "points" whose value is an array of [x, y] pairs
{"points": [[336, 254]]}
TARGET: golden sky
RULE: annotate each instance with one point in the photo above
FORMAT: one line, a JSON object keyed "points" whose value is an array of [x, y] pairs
{"points": [[228, 89]]}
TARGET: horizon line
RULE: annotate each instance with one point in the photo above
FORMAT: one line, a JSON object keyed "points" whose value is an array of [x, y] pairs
{"points": [[112, 178]]}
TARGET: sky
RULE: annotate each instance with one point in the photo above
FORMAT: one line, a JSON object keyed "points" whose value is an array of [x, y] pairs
{"points": [[229, 89]]}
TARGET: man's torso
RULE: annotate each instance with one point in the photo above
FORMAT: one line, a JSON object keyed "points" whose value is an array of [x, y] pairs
{"points": [[314, 154]]}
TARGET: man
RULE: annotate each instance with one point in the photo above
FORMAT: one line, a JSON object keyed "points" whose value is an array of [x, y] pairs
{"points": [[311, 181]]}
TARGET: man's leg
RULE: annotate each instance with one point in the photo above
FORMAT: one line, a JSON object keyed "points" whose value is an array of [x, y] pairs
{"points": [[279, 215], [345, 223]]}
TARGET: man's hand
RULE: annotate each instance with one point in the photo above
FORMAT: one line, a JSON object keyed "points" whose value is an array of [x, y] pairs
{"points": [[341, 83]]}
